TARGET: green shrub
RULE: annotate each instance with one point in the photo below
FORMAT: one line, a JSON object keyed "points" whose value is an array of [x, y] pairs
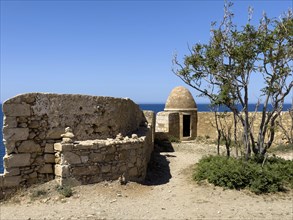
{"points": [[281, 148], [275, 175], [38, 193], [173, 139], [65, 190]]}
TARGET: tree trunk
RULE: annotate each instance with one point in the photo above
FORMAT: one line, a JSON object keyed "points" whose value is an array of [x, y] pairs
{"points": [[246, 124], [235, 134]]}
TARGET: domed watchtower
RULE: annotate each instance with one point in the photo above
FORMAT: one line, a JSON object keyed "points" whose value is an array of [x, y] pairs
{"points": [[179, 118]]}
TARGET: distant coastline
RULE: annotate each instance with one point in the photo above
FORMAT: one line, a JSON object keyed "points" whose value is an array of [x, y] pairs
{"points": [[205, 107]]}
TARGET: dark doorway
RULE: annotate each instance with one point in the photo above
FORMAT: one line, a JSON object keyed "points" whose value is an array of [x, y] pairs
{"points": [[186, 125]]}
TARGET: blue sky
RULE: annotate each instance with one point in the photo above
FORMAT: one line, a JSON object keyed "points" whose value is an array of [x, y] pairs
{"points": [[108, 48]]}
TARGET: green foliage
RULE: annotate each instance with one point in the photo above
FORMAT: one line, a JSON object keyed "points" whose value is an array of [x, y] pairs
{"points": [[65, 190], [223, 69], [38, 193], [274, 176], [173, 139], [282, 148]]}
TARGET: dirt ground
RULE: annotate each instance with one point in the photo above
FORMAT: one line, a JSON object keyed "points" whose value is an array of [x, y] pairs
{"points": [[169, 193]]}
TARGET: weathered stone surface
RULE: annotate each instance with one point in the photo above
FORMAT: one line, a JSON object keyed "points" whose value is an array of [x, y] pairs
{"points": [[132, 171], [55, 133], [9, 146], [49, 148], [39, 161], [96, 157], [82, 171], [34, 124], [16, 109], [49, 158], [11, 172], [84, 159], [11, 181], [29, 147], [47, 168], [22, 125], [17, 160], [15, 134], [61, 170], [1, 180], [58, 147], [9, 122], [106, 168], [91, 118], [71, 158], [33, 175], [63, 147]]}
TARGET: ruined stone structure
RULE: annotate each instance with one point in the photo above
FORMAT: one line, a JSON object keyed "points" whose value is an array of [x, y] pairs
{"points": [[179, 118], [80, 138]]}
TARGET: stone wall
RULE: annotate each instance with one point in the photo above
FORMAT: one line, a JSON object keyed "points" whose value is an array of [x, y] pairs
{"points": [[34, 122], [93, 161], [168, 122], [206, 126]]}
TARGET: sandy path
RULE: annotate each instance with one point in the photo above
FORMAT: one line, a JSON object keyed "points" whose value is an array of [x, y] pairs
{"points": [[170, 194]]}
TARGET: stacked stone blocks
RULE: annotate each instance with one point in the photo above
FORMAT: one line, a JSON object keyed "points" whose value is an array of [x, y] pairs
{"points": [[34, 122], [94, 161]]}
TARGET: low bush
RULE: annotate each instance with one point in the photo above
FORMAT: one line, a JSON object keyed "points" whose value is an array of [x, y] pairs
{"points": [[38, 193], [173, 139], [282, 148], [65, 190], [275, 175]]}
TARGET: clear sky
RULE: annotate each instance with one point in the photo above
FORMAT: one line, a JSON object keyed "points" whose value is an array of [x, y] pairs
{"points": [[108, 48]]}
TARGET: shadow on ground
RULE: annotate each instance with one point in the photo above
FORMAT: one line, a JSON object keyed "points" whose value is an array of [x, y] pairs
{"points": [[158, 171]]}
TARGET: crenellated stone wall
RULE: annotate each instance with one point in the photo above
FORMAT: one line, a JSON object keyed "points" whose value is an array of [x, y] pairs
{"points": [[34, 122]]}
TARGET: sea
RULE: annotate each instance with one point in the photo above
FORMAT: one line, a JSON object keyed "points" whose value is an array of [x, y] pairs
{"points": [[153, 107]]}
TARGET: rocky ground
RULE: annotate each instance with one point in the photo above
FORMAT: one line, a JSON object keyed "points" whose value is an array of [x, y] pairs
{"points": [[169, 193]]}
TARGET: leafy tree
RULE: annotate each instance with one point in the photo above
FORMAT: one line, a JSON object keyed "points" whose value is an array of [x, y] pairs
{"points": [[222, 69]]}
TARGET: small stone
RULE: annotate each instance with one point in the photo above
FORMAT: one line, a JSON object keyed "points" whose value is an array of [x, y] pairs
{"points": [[119, 136], [49, 148], [71, 158], [106, 169], [47, 168], [31, 135], [68, 133], [84, 159], [29, 147], [11, 181], [54, 133], [133, 171], [11, 172], [15, 134], [119, 195], [49, 158], [122, 179], [9, 122], [114, 200], [33, 175], [17, 160], [22, 125], [10, 146], [16, 109], [34, 124], [134, 136]]}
